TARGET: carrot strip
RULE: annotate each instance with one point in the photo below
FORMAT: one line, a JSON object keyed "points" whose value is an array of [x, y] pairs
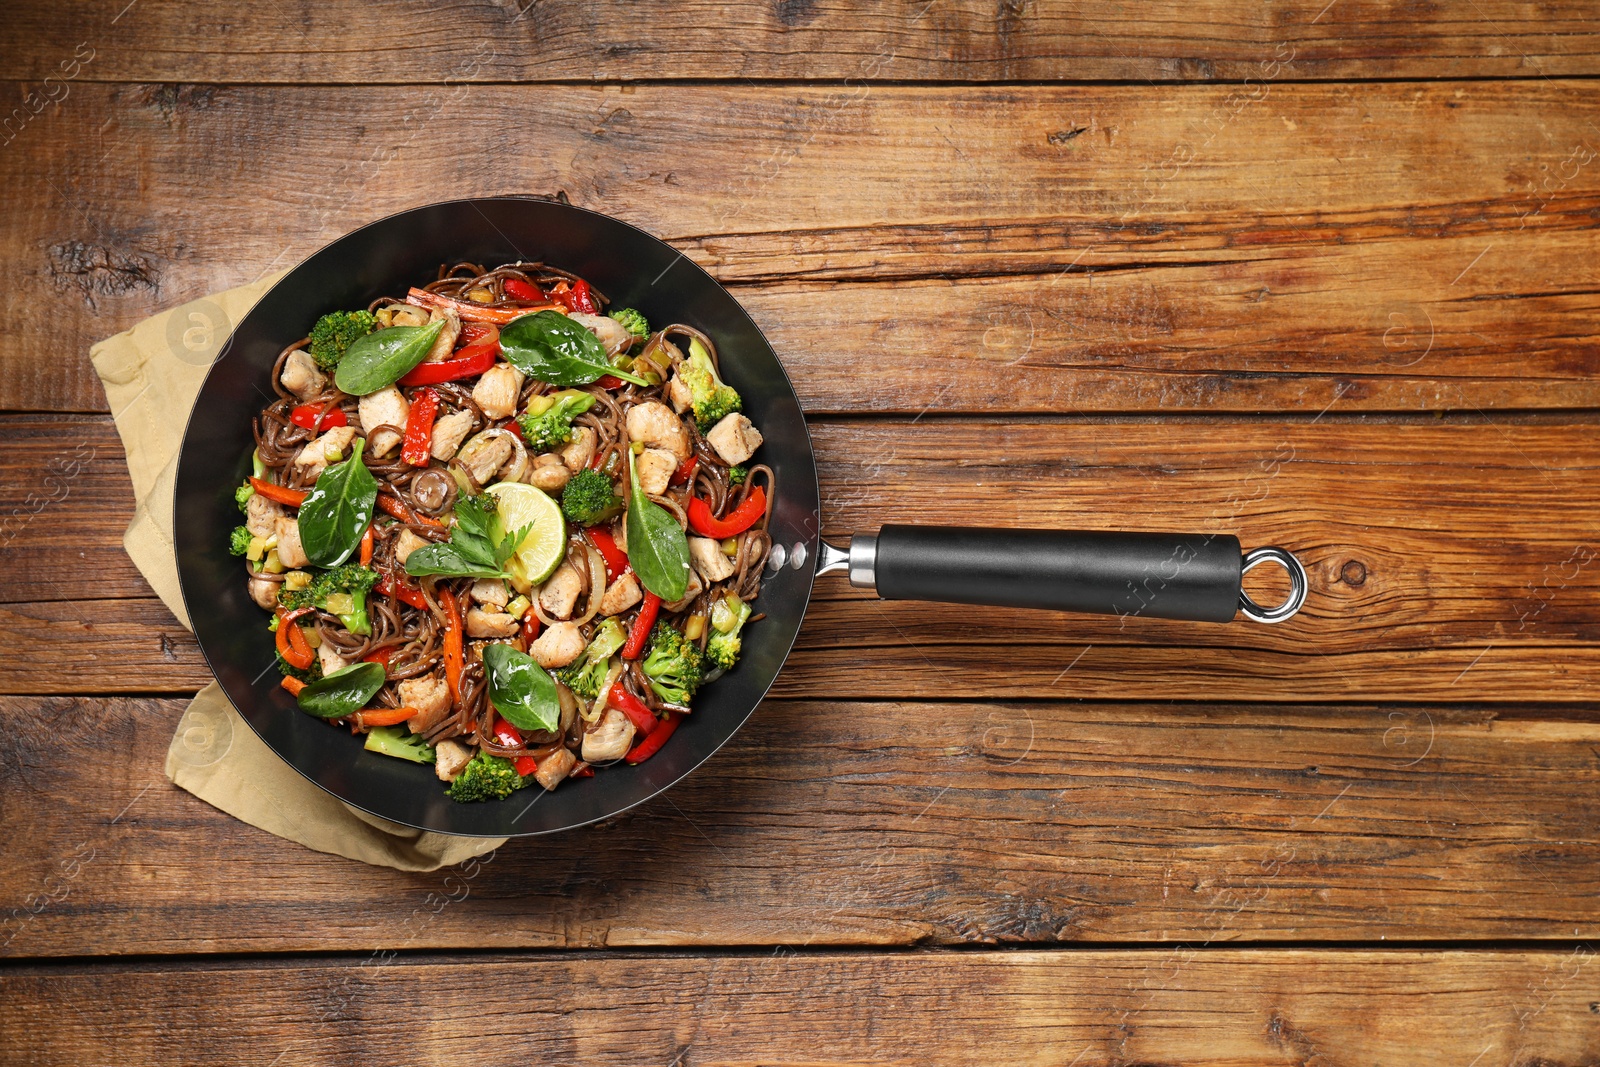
{"points": [[282, 495]]}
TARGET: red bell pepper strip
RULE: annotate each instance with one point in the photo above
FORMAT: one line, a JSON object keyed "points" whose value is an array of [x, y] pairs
{"points": [[467, 363], [292, 644], [366, 546], [530, 626], [642, 623], [313, 417], [384, 716], [452, 644], [292, 684], [577, 298], [517, 289], [738, 521], [610, 381], [506, 734], [616, 559], [402, 511], [685, 471], [526, 765], [471, 312], [389, 585], [418, 448], [380, 657], [652, 744], [582, 770], [293, 497], [642, 718]]}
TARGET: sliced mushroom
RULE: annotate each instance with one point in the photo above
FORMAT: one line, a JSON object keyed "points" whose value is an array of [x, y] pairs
{"points": [[264, 593]]}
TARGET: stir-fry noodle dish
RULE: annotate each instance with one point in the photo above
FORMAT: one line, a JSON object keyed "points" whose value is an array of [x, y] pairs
{"points": [[500, 528]]}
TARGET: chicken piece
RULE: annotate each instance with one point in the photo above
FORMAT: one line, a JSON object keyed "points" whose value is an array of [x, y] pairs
{"points": [[555, 768], [450, 758], [448, 433], [549, 473], [301, 375], [678, 392], [559, 593], [445, 343], [608, 739], [430, 696], [611, 333], [497, 390], [483, 455], [656, 468], [261, 515], [331, 660], [621, 595], [408, 543], [386, 407], [482, 623], [654, 424], [491, 591], [578, 453], [690, 591], [290, 552], [708, 558], [558, 646], [401, 315], [329, 448], [264, 593], [735, 438]]}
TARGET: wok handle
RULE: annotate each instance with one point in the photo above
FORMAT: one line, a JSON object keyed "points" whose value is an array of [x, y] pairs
{"points": [[1154, 575]]}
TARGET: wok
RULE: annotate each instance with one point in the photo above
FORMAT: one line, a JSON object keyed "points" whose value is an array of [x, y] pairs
{"points": [[1134, 575]]}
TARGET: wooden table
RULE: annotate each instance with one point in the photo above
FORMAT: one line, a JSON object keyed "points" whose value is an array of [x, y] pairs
{"points": [[1323, 274]]}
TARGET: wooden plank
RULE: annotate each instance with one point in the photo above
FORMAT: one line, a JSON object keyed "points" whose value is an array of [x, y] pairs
{"points": [[838, 823], [1449, 560], [1238, 1008], [392, 41], [1131, 248]]}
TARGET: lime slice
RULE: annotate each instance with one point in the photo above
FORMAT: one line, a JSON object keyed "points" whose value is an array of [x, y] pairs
{"points": [[542, 550]]}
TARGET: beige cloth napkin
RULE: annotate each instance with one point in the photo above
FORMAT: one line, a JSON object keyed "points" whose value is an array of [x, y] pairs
{"points": [[150, 372]]}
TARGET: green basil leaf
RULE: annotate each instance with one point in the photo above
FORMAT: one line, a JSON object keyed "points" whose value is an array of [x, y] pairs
{"points": [[380, 359], [338, 511], [447, 560], [658, 549], [549, 346], [520, 690], [344, 692]]}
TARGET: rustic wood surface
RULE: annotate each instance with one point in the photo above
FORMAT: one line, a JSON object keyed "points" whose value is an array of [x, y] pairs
{"points": [[1324, 276]]}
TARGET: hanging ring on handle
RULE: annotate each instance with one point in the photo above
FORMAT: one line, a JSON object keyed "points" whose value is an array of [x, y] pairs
{"points": [[1297, 586]]}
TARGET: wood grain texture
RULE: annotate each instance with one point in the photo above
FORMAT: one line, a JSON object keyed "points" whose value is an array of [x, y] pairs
{"points": [[1450, 560], [1400, 246], [965, 40], [1091, 1009], [836, 823]]}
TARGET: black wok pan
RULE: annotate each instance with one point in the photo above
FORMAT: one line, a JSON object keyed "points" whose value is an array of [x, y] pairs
{"points": [[1157, 575]]}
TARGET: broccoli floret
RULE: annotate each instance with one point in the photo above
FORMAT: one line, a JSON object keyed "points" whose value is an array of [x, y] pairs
{"points": [[710, 397], [634, 321], [585, 676], [342, 591], [674, 664], [737, 475], [590, 498], [726, 622], [242, 495], [337, 331], [307, 674], [399, 742], [486, 778], [239, 541], [547, 423]]}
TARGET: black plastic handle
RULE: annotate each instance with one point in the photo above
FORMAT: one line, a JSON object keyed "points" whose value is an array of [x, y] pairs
{"points": [[1148, 575]]}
